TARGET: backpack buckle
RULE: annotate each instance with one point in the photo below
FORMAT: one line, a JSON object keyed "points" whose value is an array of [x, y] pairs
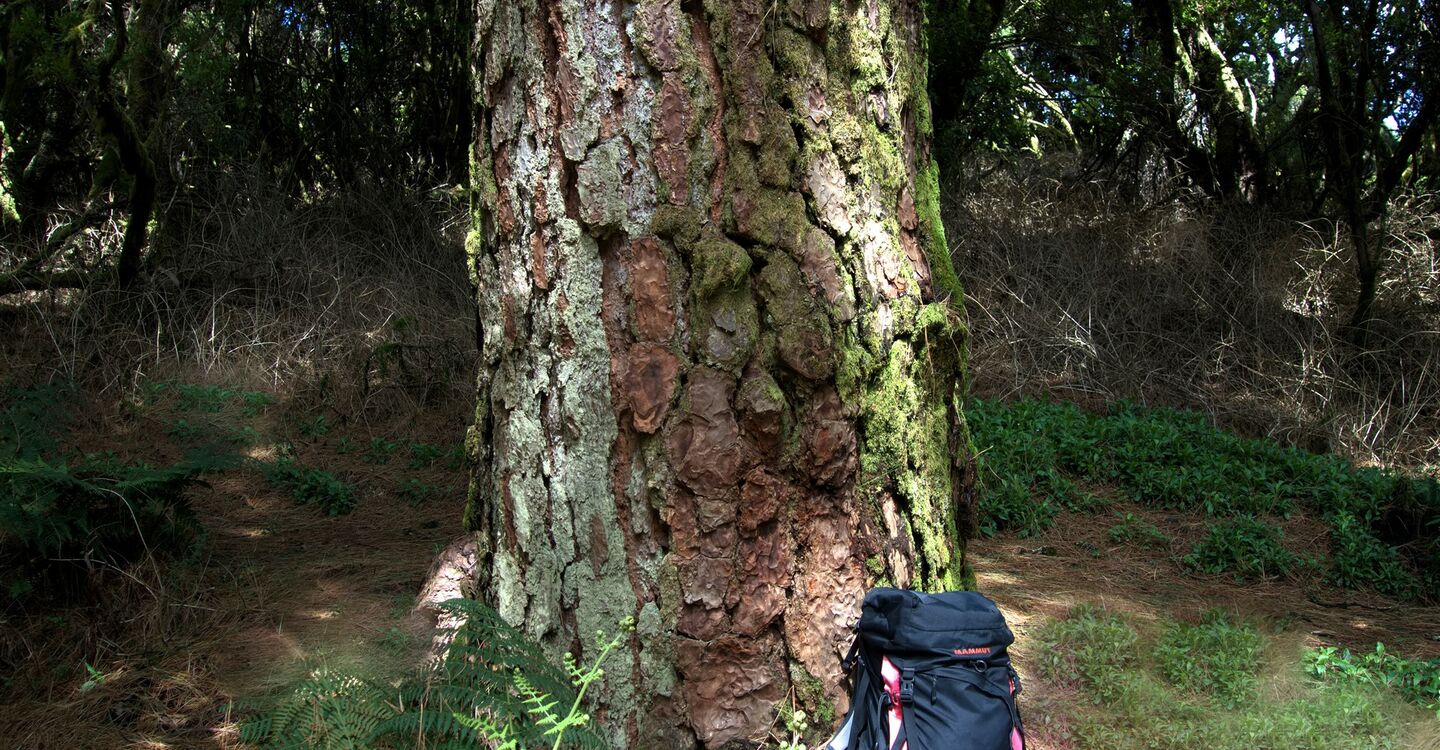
{"points": [[907, 686]]}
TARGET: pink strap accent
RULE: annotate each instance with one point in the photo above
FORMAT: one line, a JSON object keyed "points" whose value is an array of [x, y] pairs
{"points": [[891, 675]]}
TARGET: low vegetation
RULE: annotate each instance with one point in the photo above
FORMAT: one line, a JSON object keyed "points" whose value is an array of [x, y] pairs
{"points": [[311, 486], [1245, 546], [1133, 529], [1418, 680], [1039, 457], [1212, 684], [67, 517], [110, 511], [493, 689]]}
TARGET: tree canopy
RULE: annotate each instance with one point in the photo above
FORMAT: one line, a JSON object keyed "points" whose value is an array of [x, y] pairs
{"points": [[115, 111]]}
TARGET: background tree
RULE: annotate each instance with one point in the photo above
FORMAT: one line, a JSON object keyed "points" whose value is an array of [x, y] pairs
{"points": [[767, 416], [1298, 107], [1376, 70], [139, 113]]}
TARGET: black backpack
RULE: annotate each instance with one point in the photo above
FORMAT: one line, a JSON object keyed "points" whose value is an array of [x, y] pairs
{"points": [[939, 659]]}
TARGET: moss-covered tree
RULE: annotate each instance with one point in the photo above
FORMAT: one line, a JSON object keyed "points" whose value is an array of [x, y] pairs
{"points": [[722, 343]]}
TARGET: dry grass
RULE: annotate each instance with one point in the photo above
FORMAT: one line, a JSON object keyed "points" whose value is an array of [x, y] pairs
{"points": [[358, 297], [1235, 312], [151, 638]]}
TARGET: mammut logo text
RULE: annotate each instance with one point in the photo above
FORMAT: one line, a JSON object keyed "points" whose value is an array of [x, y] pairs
{"points": [[972, 651]]}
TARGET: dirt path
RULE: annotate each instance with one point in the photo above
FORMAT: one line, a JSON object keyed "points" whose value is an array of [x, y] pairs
{"points": [[283, 589], [1076, 562], [326, 591]]}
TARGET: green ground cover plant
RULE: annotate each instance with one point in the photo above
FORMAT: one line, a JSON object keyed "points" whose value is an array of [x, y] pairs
{"points": [[1093, 648], [1133, 529], [91, 512], [423, 455], [1244, 546], [1218, 656], [1359, 558], [313, 427], [65, 515], [1179, 686], [207, 399], [311, 486], [414, 491], [1037, 455], [1417, 680], [379, 450], [494, 689]]}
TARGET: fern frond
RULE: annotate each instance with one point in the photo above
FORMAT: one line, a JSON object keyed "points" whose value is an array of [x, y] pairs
{"points": [[495, 690]]}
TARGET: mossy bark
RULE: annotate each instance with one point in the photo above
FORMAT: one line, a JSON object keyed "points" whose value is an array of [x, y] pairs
{"points": [[722, 343]]}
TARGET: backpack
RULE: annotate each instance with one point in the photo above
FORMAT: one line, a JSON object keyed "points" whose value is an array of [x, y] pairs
{"points": [[930, 672]]}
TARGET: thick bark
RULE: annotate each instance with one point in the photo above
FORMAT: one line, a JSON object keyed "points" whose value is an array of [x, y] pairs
{"points": [[722, 343]]}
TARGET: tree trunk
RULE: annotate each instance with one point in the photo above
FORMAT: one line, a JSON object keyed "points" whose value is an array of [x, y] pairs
{"points": [[722, 344], [132, 127]]}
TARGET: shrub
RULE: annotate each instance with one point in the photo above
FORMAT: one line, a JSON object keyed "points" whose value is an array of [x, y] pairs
{"points": [[209, 399], [67, 514], [29, 416], [379, 450], [422, 455], [1245, 546], [1358, 558], [1217, 656], [96, 511], [414, 491], [313, 427], [1417, 680], [1011, 506], [1089, 647], [312, 486]]}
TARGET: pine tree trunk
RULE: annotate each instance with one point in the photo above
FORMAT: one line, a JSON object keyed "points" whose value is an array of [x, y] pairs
{"points": [[722, 344]]}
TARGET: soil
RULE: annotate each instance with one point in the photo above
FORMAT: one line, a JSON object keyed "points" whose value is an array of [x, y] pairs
{"points": [[283, 589]]}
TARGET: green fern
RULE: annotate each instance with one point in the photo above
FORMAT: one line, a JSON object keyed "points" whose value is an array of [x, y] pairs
{"points": [[28, 417], [328, 711], [494, 689], [96, 509], [542, 706], [61, 514], [310, 486]]}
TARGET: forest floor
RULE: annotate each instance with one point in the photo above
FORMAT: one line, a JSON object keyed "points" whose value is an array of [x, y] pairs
{"points": [[281, 588], [278, 588], [1039, 579]]}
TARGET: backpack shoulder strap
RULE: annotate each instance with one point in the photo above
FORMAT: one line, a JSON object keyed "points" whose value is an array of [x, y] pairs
{"points": [[864, 719]]}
